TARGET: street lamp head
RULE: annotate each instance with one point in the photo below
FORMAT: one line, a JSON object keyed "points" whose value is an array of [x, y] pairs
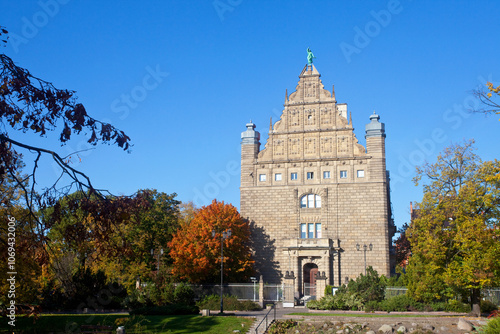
{"points": [[226, 234], [357, 246], [365, 247], [371, 246]]}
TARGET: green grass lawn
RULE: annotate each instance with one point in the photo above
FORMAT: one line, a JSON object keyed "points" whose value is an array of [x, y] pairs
{"points": [[133, 324]]}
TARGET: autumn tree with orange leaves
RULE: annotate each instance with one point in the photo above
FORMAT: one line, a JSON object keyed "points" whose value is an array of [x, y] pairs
{"points": [[196, 254]]}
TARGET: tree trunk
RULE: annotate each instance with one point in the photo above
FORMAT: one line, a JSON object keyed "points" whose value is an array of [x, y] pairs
{"points": [[475, 300]]}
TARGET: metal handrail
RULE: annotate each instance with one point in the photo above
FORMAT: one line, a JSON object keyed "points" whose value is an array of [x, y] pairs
{"points": [[265, 318]]}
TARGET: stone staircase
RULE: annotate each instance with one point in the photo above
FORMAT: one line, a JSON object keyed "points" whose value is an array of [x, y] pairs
{"points": [[262, 328]]}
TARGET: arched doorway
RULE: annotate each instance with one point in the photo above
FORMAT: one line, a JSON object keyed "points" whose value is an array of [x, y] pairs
{"points": [[309, 279]]}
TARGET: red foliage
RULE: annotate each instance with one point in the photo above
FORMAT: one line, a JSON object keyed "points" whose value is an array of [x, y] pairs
{"points": [[196, 254], [494, 314]]}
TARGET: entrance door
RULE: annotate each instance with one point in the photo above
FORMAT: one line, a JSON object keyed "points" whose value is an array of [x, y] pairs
{"points": [[309, 276], [312, 276]]}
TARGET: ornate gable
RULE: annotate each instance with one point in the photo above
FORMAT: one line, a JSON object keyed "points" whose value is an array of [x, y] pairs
{"points": [[312, 125]]}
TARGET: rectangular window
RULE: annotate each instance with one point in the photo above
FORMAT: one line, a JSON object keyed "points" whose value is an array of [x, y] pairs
{"points": [[343, 174], [262, 177], [310, 233], [318, 230], [277, 177], [326, 175], [310, 201], [361, 173], [293, 176], [303, 231], [310, 175]]}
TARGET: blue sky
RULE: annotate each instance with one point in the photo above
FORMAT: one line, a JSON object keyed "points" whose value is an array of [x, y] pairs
{"points": [[182, 78]]}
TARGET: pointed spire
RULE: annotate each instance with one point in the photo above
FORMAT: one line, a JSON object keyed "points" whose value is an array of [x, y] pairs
{"points": [[350, 118], [333, 92], [286, 95], [271, 125]]}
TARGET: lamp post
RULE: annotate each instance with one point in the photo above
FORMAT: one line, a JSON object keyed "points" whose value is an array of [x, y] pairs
{"points": [[365, 248], [254, 279], [223, 236]]}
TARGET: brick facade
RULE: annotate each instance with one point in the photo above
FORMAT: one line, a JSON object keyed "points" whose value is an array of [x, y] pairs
{"points": [[312, 150]]}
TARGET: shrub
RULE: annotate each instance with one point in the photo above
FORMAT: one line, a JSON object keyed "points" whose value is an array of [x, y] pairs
{"points": [[372, 306], [340, 301], [281, 326], [325, 303], [231, 303], [367, 287], [487, 306], [152, 295], [491, 327], [401, 303], [172, 309], [451, 306], [183, 294], [396, 280], [135, 299]]}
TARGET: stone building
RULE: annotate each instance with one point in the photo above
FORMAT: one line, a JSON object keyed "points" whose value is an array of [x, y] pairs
{"points": [[317, 200]]}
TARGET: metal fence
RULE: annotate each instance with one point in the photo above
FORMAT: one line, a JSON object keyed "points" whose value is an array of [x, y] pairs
{"points": [[491, 294], [310, 290], [244, 291], [392, 291], [273, 292], [280, 292]]}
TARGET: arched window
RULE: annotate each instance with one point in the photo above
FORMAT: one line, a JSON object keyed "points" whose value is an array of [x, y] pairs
{"points": [[310, 201]]}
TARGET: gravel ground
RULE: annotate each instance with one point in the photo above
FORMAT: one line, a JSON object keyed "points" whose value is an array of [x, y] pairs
{"points": [[424, 323]]}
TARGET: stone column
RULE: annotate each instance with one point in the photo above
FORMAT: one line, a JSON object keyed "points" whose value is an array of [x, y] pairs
{"points": [[289, 290], [320, 285]]}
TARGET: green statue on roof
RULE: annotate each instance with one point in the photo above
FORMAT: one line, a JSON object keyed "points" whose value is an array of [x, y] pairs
{"points": [[310, 56]]}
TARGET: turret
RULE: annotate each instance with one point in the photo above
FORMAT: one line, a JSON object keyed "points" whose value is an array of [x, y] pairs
{"points": [[375, 146], [250, 146]]}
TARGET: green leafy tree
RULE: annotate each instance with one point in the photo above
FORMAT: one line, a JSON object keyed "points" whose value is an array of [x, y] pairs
{"points": [[455, 238], [114, 235]]}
